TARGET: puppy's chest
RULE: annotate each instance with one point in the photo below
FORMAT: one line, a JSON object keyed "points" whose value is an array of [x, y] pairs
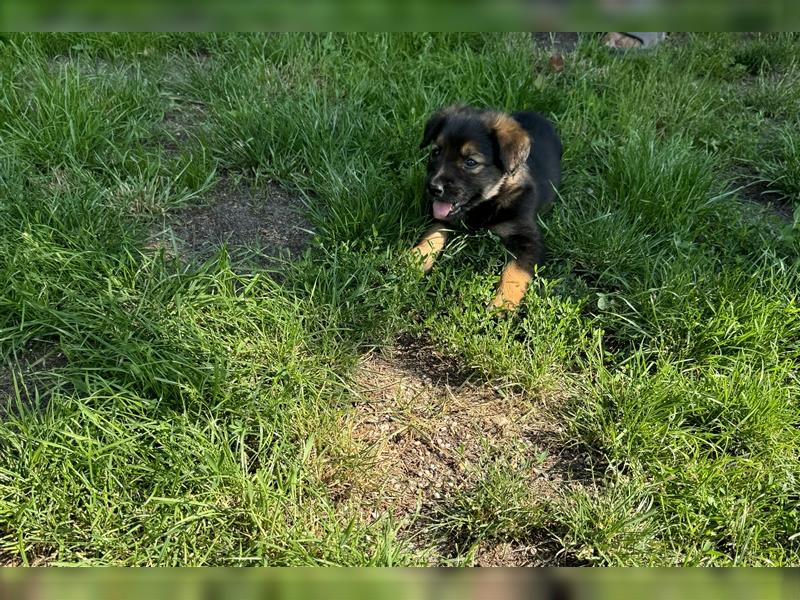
{"points": [[490, 214]]}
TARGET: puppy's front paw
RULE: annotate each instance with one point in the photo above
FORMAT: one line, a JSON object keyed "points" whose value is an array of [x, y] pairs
{"points": [[502, 304], [421, 260]]}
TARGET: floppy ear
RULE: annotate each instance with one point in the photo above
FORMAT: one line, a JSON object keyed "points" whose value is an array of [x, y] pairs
{"points": [[434, 126], [513, 142]]}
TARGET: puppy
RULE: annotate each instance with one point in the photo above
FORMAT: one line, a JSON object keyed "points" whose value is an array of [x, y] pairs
{"points": [[491, 170]]}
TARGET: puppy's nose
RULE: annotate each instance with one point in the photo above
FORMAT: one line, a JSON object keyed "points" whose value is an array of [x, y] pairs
{"points": [[436, 190]]}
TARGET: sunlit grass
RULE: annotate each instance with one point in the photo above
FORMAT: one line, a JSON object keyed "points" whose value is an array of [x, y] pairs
{"points": [[204, 408]]}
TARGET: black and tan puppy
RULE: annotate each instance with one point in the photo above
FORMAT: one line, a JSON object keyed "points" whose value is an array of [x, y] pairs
{"points": [[491, 170]]}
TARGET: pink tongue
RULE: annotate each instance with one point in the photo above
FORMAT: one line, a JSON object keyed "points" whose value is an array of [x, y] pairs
{"points": [[441, 209]]}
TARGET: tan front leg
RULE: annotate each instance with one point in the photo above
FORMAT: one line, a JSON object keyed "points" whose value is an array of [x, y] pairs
{"points": [[431, 244], [513, 283]]}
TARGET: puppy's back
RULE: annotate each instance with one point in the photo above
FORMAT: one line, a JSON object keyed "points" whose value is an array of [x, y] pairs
{"points": [[544, 161]]}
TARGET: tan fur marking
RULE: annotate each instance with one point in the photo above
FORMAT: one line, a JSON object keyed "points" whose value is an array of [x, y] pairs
{"points": [[431, 244], [515, 143], [513, 283], [493, 190], [505, 186], [505, 126], [504, 229], [470, 149]]}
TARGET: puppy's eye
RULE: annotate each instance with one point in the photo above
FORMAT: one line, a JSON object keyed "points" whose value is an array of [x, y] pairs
{"points": [[470, 163], [436, 151]]}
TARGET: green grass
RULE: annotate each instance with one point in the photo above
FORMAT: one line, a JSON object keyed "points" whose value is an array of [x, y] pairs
{"points": [[203, 415]]}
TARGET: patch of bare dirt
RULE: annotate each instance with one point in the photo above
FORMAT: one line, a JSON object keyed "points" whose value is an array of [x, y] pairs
{"points": [[264, 224], [512, 554], [20, 374], [34, 560], [427, 422], [759, 192]]}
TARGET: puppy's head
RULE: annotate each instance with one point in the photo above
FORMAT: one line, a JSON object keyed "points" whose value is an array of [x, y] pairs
{"points": [[472, 153]]}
